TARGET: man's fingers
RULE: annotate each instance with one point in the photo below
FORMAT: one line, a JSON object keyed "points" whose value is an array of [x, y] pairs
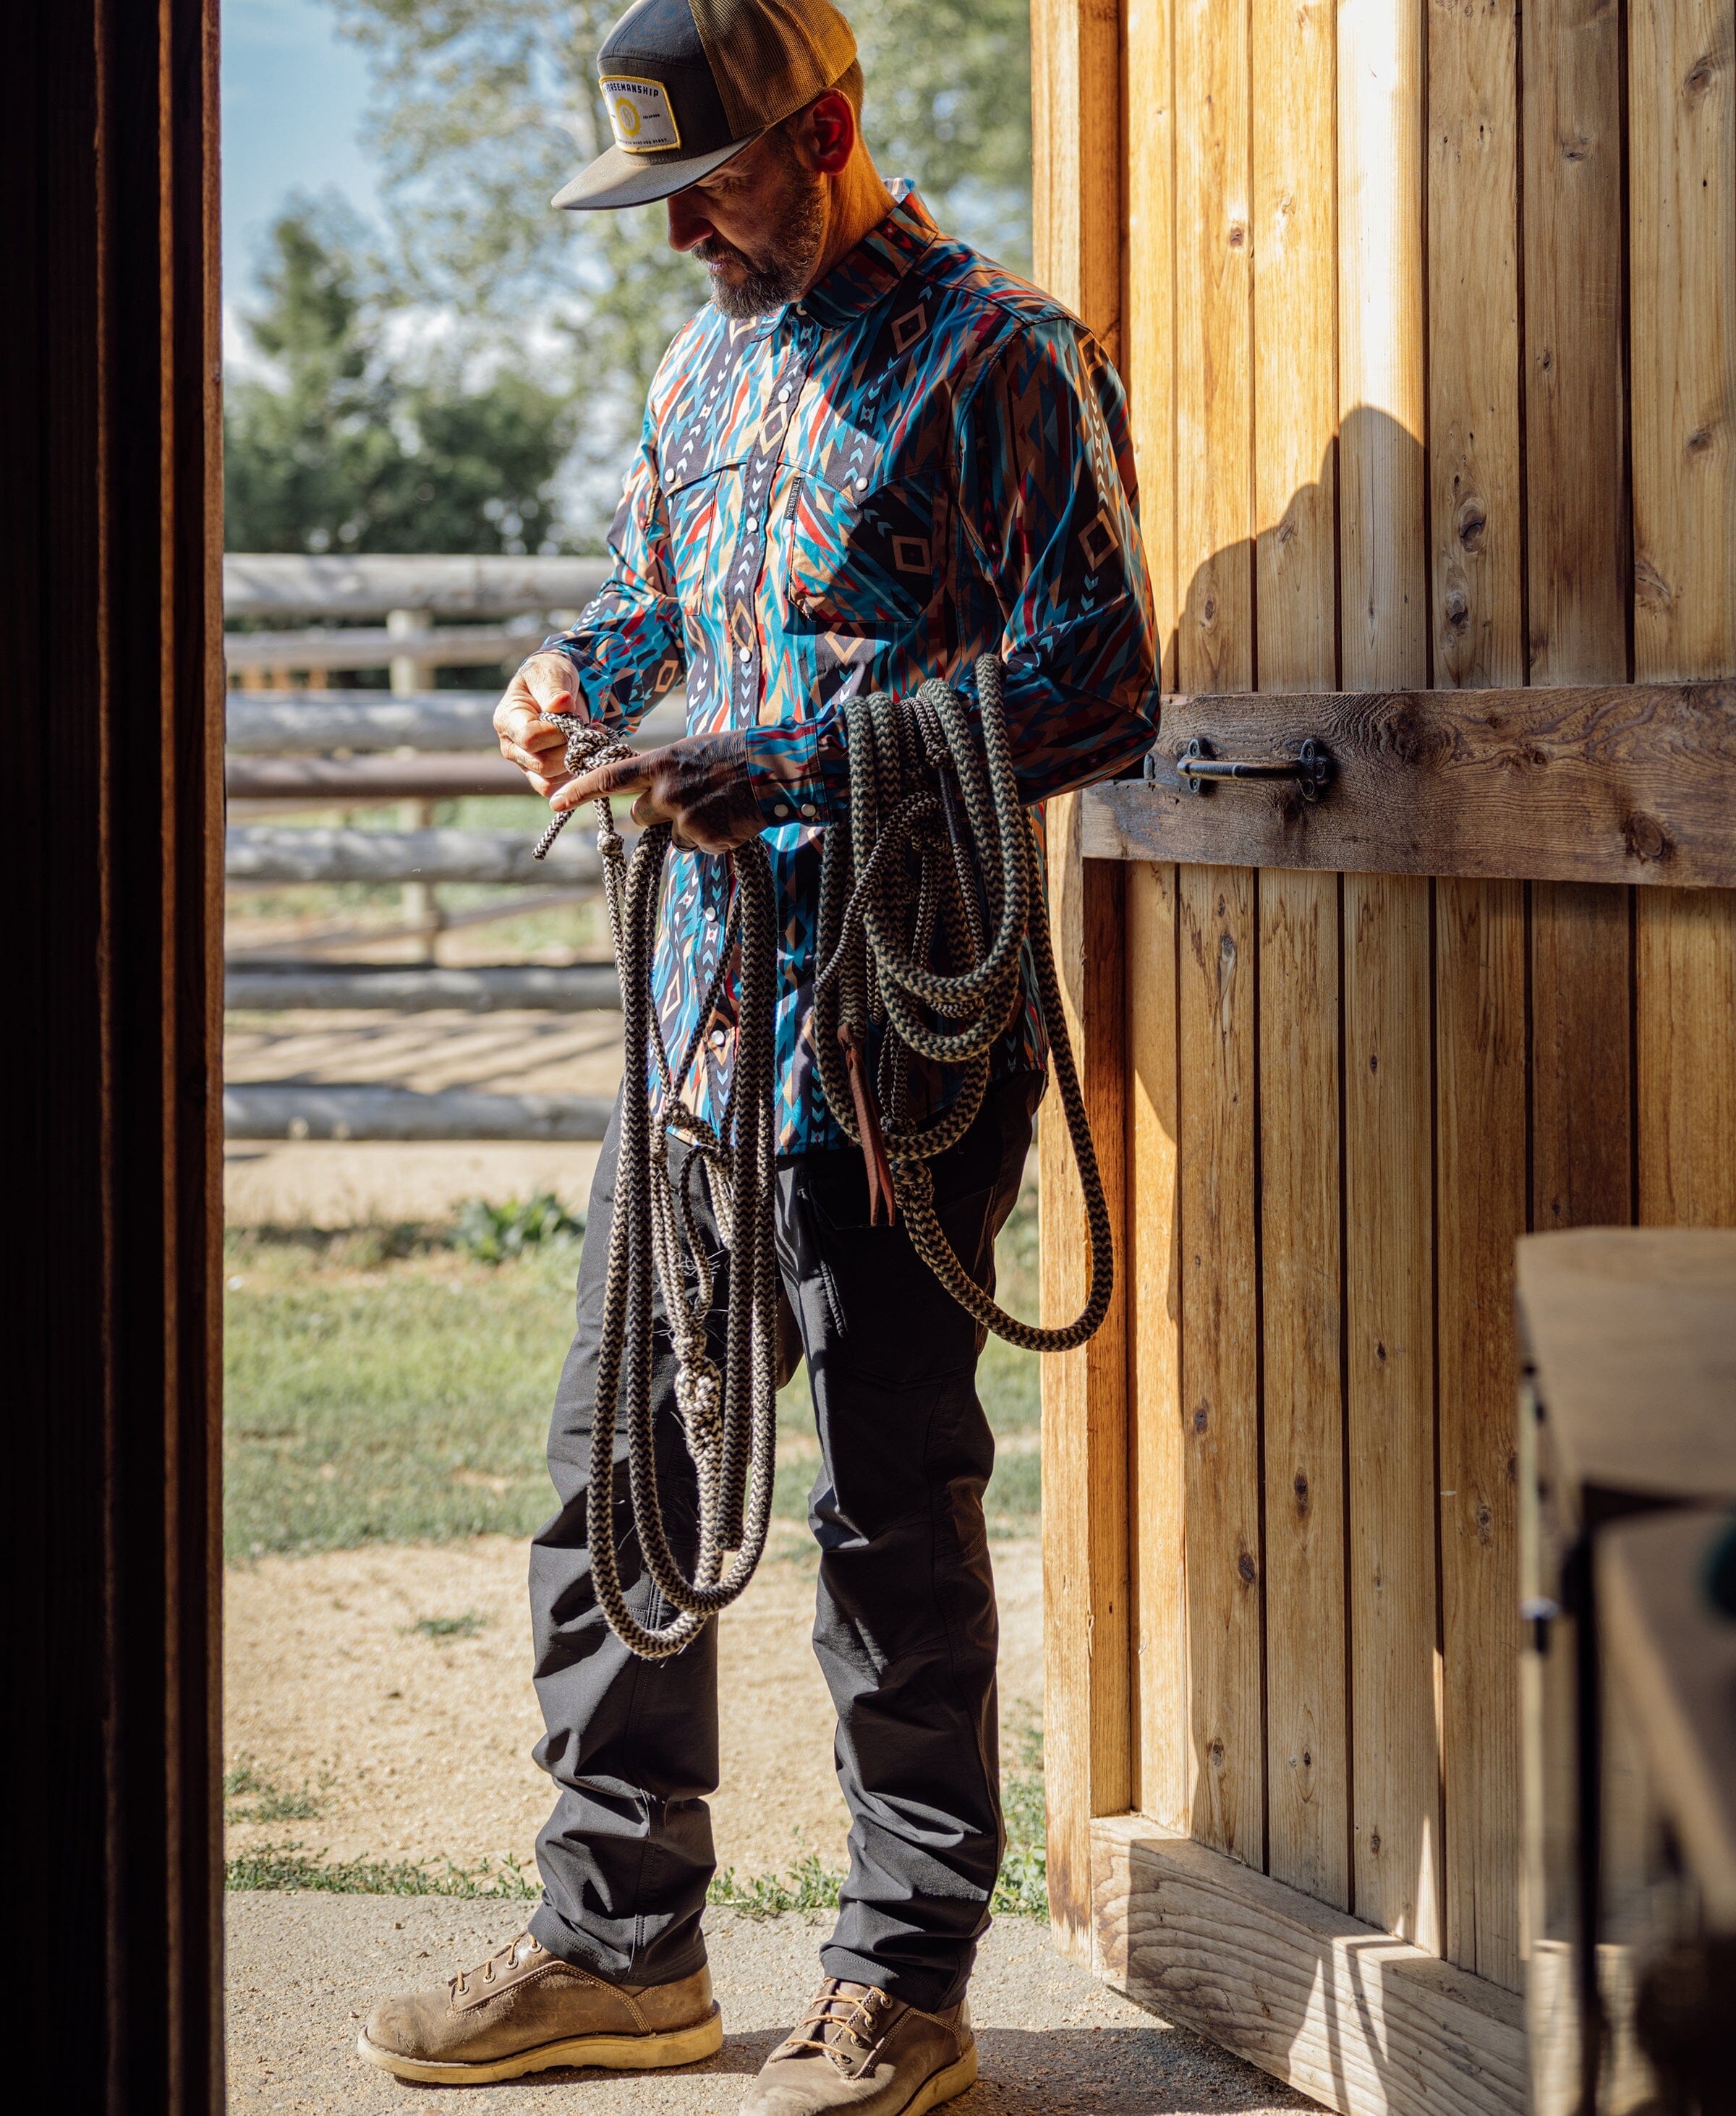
{"points": [[628, 774], [551, 681]]}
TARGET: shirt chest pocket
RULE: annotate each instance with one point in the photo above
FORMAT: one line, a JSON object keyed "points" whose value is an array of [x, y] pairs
{"points": [[866, 564], [696, 511]]}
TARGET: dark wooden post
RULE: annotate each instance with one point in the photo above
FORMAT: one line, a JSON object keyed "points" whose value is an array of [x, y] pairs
{"points": [[111, 644]]}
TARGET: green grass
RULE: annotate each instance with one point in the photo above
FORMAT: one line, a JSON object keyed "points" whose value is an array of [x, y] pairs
{"points": [[289, 1866], [443, 1630], [1022, 1891], [244, 1782], [383, 1386]]}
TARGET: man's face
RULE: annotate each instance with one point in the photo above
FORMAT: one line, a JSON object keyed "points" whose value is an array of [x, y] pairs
{"points": [[758, 225]]}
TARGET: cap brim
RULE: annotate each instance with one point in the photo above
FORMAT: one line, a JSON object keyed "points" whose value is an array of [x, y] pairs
{"points": [[617, 179]]}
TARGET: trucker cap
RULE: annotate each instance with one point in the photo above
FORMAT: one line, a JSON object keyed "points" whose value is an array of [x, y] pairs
{"points": [[688, 83]]}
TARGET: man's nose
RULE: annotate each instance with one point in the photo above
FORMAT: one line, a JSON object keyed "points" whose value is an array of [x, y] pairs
{"points": [[688, 224]]}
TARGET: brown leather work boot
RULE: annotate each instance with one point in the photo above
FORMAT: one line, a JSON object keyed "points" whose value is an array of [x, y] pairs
{"points": [[524, 2010], [863, 2052]]}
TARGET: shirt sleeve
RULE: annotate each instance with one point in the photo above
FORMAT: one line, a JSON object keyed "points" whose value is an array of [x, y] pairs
{"points": [[1049, 498], [627, 644]]}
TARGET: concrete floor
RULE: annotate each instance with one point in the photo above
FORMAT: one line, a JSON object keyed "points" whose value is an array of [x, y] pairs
{"points": [[304, 1970]]}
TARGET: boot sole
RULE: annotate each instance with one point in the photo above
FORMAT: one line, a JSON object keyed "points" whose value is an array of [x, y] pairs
{"points": [[960, 2074], [611, 2052]]}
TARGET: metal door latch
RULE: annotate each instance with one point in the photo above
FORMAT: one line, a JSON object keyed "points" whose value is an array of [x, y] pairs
{"points": [[1199, 769]]}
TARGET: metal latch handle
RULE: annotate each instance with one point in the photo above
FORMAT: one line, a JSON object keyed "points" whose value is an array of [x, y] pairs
{"points": [[1199, 769]]}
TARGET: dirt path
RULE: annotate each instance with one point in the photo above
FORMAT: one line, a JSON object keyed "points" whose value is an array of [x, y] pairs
{"points": [[304, 1970], [414, 1746]]}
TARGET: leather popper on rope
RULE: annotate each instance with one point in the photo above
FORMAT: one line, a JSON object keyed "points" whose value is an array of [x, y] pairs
{"points": [[938, 859]]}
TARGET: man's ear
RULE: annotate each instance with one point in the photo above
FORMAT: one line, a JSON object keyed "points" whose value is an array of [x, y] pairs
{"points": [[829, 130]]}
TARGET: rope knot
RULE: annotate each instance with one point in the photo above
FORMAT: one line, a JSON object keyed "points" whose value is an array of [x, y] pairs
{"points": [[699, 1397]]}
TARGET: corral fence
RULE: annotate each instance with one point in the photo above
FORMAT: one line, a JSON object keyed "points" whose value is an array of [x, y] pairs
{"points": [[295, 742]]}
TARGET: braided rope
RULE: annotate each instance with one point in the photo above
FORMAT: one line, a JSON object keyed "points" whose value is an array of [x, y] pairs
{"points": [[907, 870], [728, 1414], [908, 874]]}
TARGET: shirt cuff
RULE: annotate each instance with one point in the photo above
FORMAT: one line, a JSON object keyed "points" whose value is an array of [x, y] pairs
{"points": [[792, 773]]}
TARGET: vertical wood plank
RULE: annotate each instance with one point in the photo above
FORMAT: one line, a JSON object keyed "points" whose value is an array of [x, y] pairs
{"points": [[1087, 1733], [1075, 106], [1577, 516], [1219, 1354], [1308, 1734], [1682, 161], [1477, 605], [1388, 1163], [1384, 624], [1076, 158], [1581, 1056], [1162, 1784], [1682, 179], [1481, 1061], [1579, 543], [1686, 1056], [1293, 66], [1150, 304], [1474, 343], [1390, 1370], [1214, 433]]}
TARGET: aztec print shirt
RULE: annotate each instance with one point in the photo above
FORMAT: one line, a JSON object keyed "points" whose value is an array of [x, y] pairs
{"points": [[923, 460]]}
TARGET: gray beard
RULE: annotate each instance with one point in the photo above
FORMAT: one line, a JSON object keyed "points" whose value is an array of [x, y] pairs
{"points": [[782, 274]]}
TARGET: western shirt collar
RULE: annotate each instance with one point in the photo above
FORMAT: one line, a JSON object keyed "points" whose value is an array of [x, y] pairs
{"points": [[861, 280]]}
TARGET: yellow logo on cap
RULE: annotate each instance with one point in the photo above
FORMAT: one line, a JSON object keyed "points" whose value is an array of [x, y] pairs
{"points": [[638, 114]]}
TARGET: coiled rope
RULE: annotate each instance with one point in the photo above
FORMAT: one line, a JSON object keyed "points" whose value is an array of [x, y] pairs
{"points": [[908, 878]]}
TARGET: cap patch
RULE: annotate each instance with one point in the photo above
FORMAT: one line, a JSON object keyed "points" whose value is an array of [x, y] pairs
{"points": [[640, 112]]}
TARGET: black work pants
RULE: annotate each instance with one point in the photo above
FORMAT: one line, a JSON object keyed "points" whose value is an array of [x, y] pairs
{"points": [[905, 1631]]}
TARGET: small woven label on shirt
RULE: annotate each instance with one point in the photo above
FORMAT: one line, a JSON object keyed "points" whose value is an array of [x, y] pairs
{"points": [[638, 111]]}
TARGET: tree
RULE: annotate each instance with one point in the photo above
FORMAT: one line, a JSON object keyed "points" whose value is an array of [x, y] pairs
{"points": [[346, 448]]}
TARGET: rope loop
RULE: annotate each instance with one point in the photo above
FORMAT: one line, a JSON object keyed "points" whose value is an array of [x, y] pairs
{"points": [[931, 898], [940, 860]]}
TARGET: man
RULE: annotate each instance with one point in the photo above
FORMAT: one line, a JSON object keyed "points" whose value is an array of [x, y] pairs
{"points": [[873, 457]]}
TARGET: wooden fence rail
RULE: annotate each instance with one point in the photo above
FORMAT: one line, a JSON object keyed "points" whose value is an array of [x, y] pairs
{"points": [[295, 584], [358, 987], [284, 723], [374, 646], [270, 1109], [289, 723], [259, 853]]}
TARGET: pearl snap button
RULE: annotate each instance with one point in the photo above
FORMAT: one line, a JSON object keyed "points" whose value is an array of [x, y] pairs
{"points": [[808, 809], [779, 809]]}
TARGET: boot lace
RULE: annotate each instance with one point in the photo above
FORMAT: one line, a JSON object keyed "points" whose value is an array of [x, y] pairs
{"points": [[846, 2024], [512, 1956]]}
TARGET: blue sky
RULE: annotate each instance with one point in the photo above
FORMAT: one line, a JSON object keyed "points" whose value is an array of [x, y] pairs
{"points": [[294, 96]]}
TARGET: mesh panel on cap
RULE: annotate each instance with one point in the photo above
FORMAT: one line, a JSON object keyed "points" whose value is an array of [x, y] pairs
{"points": [[770, 57]]}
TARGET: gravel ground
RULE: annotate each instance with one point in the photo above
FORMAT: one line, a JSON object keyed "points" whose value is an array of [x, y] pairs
{"points": [[407, 1746], [304, 1969]]}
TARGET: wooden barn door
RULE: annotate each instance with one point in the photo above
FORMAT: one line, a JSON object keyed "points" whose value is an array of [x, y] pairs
{"points": [[1430, 332]]}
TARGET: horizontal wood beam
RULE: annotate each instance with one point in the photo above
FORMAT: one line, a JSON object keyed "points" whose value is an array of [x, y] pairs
{"points": [[287, 1109], [338, 782], [294, 583], [1631, 782], [279, 723], [372, 647], [261, 853], [492, 988], [1369, 2025]]}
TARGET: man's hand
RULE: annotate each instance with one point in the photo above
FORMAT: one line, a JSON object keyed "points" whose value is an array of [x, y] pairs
{"points": [[546, 683], [700, 784]]}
